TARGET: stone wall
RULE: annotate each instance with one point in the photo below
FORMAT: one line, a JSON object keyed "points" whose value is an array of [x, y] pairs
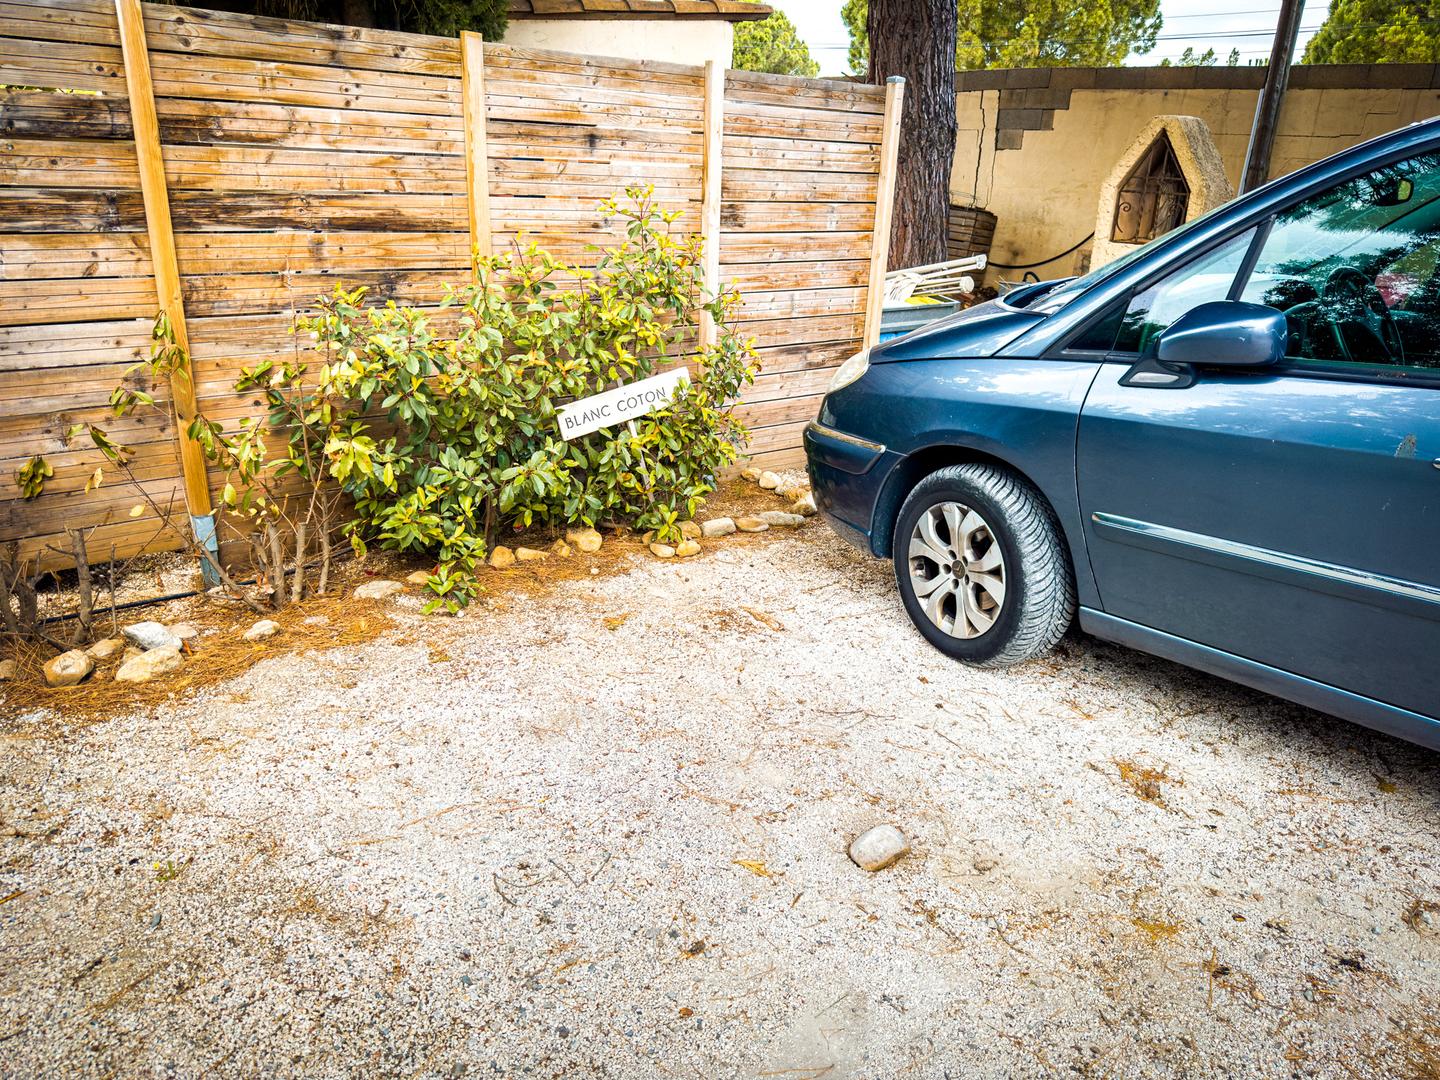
{"points": [[1034, 146]]}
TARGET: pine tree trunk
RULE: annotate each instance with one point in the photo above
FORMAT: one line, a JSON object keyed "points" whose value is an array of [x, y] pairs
{"points": [[916, 39]]}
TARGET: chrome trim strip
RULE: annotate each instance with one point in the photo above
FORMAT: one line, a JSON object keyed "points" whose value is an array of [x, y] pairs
{"points": [[854, 440], [1398, 721], [1274, 560]]}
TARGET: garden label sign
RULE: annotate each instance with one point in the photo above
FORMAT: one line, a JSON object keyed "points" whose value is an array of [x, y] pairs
{"points": [[619, 405]]}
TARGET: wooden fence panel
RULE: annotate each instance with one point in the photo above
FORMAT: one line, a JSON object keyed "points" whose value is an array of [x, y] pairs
{"points": [[565, 132], [801, 163], [77, 297], [299, 156]]}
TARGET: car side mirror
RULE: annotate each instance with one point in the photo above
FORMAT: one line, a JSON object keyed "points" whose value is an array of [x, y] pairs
{"points": [[1222, 333]]}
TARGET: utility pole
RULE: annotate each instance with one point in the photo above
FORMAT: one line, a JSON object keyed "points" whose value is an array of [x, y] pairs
{"points": [[1267, 109]]}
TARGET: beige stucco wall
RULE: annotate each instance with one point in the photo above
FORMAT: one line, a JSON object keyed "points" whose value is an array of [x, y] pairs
{"points": [[1045, 193], [677, 41]]}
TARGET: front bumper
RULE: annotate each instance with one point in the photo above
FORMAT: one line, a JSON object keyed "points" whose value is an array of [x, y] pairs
{"points": [[846, 475]]}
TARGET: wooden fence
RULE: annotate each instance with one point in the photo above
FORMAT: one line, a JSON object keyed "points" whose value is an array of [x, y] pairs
{"points": [[231, 169]]}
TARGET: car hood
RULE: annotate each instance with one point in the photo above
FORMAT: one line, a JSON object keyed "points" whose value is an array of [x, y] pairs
{"points": [[982, 330]]}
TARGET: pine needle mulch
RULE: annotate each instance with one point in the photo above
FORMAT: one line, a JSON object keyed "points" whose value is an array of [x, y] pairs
{"points": [[336, 620], [217, 658]]}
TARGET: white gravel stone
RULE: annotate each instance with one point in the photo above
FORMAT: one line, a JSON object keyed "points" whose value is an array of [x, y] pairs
{"points": [[265, 628], [150, 635], [379, 589], [877, 848], [187, 634]]}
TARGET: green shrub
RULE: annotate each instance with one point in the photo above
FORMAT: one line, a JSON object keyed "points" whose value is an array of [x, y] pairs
{"points": [[459, 436]]}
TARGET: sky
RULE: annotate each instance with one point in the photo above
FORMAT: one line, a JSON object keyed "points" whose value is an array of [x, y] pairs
{"points": [[1223, 25]]}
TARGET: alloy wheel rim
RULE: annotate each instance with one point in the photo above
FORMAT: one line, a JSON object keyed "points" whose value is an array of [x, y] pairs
{"points": [[957, 570]]}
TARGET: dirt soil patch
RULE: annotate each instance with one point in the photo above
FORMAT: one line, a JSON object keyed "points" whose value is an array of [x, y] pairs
{"points": [[600, 829]]}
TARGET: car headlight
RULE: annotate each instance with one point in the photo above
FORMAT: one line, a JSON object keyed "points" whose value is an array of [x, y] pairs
{"points": [[849, 371]]}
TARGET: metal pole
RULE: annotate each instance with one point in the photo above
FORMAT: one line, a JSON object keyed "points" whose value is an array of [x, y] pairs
{"points": [[1267, 109]]}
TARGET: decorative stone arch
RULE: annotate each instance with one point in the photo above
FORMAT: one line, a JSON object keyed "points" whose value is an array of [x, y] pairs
{"points": [[1172, 173]]}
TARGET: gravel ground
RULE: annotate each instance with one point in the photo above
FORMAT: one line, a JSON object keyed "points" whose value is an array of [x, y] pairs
{"points": [[602, 833]]}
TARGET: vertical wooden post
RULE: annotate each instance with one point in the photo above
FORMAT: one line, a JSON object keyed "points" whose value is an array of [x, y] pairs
{"points": [[884, 208], [156, 196], [714, 136], [477, 161]]}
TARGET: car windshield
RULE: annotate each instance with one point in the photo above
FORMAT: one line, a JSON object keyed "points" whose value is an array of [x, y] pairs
{"points": [[1050, 302]]}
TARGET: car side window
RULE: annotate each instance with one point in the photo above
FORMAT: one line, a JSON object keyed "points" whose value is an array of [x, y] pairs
{"points": [[1153, 308], [1354, 271]]}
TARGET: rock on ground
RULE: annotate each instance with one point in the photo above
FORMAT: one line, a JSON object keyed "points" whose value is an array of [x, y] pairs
{"points": [[751, 524], [721, 526], [105, 648], [585, 540], [687, 548], [877, 848], [9, 670], [150, 635], [662, 551], [150, 664], [187, 634], [379, 589], [68, 668], [268, 628], [780, 517], [525, 554]]}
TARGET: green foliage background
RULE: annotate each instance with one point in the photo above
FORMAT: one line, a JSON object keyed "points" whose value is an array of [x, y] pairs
{"points": [[1377, 32], [1033, 33], [772, 45]]}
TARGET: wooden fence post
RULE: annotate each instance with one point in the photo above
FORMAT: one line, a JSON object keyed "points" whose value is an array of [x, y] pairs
{"points": [[477, 167], [884, 208], [156, 197], [714, 142]]}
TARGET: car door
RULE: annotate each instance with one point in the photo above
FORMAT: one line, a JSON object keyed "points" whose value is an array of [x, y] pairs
{"points": [[1291, 515]]}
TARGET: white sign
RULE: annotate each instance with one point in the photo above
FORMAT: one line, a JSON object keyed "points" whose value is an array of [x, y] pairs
{"points": [[618, 405]]}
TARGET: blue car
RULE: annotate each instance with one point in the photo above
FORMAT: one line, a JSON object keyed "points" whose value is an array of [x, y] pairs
{"points": [[1223, 448]]}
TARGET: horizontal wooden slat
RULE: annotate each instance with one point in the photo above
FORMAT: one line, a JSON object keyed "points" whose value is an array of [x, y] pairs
{"points": [[301, 156]]}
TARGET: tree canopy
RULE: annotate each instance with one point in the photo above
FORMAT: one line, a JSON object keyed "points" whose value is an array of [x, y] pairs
{"points": [[1023, 33], [772, 45], [1377, 32]]}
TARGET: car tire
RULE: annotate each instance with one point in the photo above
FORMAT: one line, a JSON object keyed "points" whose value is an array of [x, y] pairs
{"points": [[987, 533]]}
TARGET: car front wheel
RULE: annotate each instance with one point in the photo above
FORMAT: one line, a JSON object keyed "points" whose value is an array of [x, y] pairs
{"points": [[982, 566]]}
